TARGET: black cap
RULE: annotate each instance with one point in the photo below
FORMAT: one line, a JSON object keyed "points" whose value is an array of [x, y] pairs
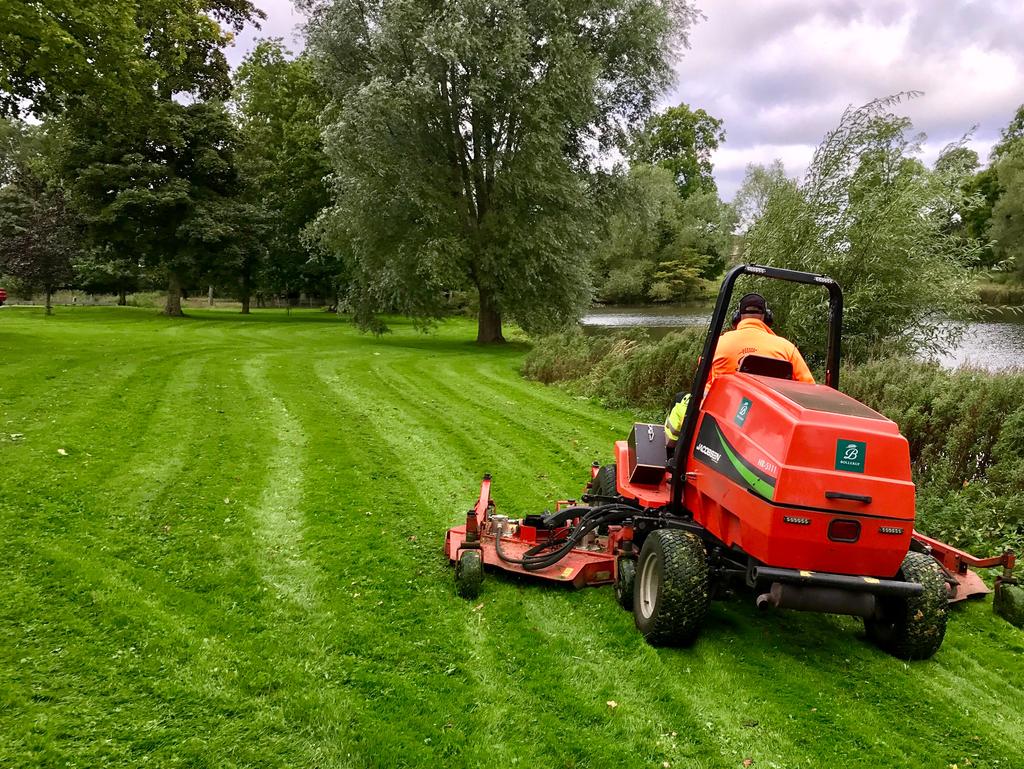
{"points": [[751, 303]]}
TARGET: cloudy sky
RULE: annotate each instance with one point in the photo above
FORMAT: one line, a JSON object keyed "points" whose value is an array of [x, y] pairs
{"points": [[780, 72]]}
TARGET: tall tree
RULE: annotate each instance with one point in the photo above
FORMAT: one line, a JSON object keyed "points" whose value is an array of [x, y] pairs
{"points": [[463, 137], [681, 140], [159, 179], [163, 187], [282, 161], [39, 235], [1006, 227], [871, 215]]}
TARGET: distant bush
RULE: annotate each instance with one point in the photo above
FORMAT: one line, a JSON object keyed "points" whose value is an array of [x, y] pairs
{"points": [[965, 427], [627, 369], [1001, 294]]}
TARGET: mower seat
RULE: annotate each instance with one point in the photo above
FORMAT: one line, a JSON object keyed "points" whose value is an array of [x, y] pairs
{"points": [[765, 366]]}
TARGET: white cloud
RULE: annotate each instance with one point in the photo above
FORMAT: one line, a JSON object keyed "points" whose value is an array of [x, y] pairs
{"points": [[282, 21], [780, 74]]}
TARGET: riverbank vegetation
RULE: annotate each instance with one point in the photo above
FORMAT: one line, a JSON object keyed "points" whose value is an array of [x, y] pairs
{"points": [[965, 427]]}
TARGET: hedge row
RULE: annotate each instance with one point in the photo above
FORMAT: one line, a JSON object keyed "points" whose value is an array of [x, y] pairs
{"points": [[965, 427]]}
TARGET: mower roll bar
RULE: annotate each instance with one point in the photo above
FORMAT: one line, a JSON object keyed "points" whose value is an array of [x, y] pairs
{"points": [[835, 327]]}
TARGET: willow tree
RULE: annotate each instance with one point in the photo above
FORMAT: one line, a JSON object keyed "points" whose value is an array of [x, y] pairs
{"points": [[872, 216], [462, 136]]}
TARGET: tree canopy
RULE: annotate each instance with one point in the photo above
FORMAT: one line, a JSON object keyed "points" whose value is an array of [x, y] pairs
{"points": [[681, 140], [61, 53], [873, 217], [283, 165], [462, 139]]}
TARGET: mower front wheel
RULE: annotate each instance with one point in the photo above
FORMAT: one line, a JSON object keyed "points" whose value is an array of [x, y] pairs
{"points": [[912, 628], [625, 581], [671, 596], [469, 573], [605, 483]]}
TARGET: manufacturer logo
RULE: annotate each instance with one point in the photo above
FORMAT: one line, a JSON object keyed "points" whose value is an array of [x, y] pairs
{"points": [[711, 454], [742, 411], [850, 455], [758, 270]]}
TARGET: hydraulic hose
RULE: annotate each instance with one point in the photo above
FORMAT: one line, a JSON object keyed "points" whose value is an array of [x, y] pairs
{"points": [[535, 558]]}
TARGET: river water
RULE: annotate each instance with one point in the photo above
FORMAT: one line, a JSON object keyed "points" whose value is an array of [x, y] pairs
{"points": [[995, 344]]}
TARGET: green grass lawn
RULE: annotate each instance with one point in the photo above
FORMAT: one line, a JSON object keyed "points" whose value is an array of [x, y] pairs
{"points": [[220, 545]]}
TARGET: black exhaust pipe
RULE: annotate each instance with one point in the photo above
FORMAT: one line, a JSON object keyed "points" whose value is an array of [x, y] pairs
{"points": [[826, 600]]}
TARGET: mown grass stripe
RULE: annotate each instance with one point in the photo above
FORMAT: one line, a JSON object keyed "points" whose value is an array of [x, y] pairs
{"points": [[168, 646]]}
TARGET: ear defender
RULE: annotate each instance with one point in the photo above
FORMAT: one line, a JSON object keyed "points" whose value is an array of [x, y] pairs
{"points": [[769, 316]]}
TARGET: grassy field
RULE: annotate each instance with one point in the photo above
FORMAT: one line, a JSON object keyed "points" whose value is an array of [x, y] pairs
{"points": [[220, 545]]}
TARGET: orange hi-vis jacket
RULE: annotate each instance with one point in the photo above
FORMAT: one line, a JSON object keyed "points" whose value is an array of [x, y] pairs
{"points": [[751, 337], [754, 337]]}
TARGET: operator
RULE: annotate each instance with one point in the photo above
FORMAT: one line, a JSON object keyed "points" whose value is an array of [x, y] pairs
{"points": [[751, 335]]}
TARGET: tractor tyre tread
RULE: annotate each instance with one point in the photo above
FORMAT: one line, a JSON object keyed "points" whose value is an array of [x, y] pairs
{"points": [[913, 628], [625, 581], [605, 483], [684, 598], [469, 574]]}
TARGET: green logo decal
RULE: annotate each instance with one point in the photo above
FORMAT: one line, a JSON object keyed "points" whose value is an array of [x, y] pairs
{"points": [[850, 455], [742, 411]]}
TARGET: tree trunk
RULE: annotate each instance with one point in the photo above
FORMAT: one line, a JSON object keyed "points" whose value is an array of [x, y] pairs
{"points": [[49, 302], [173, 305], [488, 330], [122, 298]]}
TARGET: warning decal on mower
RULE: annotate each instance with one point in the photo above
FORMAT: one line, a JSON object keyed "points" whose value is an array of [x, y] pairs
{"points": [[713, 450]]}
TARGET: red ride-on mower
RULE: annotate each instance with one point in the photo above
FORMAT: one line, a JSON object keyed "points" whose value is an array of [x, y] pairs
{"points": [[795, 490]]}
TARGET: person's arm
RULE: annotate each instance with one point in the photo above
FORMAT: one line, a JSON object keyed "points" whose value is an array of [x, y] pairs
{"points": [[674, 421], [801, 372]]}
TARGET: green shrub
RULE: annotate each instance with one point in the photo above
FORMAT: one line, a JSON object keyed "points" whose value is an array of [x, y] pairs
{"points": [[566, 356], [1001, 294], [647, 374]]}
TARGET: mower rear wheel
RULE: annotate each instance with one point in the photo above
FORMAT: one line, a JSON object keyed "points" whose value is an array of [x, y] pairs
{"points": [[605, 483], [671, 597], [912, 628], [625, 579], [469, 573]]}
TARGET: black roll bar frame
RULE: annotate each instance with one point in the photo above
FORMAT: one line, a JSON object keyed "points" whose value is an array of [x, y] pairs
{"points": [[832, 359]]}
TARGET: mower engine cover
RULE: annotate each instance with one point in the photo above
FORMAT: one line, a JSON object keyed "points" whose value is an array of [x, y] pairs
{"points": [[801, 476]]}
